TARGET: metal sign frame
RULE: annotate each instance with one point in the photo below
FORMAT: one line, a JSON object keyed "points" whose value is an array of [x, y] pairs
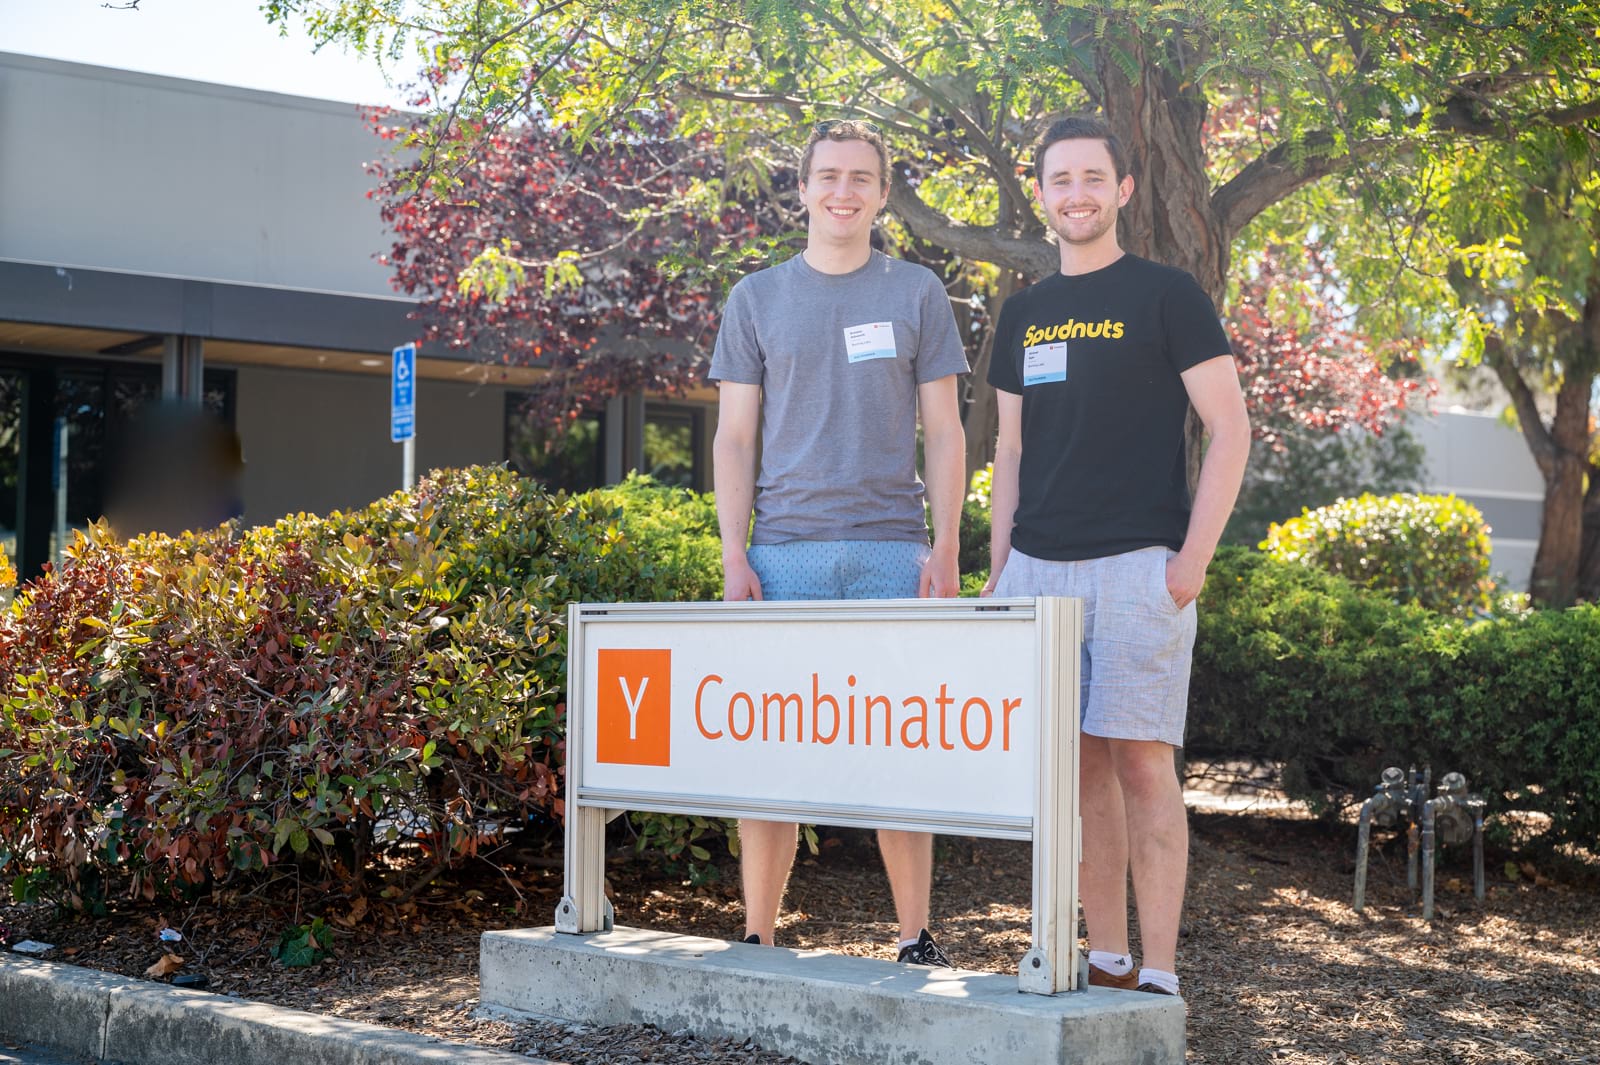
{"points": [[1052, 963]]}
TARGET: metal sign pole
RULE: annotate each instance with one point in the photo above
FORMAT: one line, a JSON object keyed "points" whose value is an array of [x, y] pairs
{"points": [[584, 906], [1052, 964]]}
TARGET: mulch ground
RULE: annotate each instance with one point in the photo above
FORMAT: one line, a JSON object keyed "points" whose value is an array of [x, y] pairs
{"points": [[1276, 966]]}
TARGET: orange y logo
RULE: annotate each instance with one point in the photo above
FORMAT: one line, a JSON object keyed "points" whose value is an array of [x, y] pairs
{"points": [[635, 703]]}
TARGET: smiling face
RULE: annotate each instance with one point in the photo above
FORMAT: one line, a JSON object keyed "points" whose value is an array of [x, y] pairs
{"points": [[1080, 193], [843, 192]]}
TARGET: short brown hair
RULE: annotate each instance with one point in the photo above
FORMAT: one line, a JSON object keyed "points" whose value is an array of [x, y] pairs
{"points": [[1076, 128], [846, 129]]}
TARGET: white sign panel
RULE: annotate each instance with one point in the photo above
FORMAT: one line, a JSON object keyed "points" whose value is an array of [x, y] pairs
{"points": [[837, 715]]}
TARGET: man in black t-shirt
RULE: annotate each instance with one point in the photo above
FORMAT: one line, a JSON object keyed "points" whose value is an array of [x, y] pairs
{"points": [[1095, 368]]}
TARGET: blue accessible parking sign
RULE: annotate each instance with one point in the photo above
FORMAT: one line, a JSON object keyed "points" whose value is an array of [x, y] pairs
{"points": [[403, 394]]}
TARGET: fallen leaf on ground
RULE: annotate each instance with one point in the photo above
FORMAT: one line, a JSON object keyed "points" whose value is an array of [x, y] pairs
{"points": [[169, 964]]}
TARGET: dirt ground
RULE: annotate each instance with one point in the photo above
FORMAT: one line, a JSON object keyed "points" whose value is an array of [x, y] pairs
{"points": [[1276, 966]]}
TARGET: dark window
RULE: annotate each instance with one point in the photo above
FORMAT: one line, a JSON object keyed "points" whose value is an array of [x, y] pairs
{"points": [[95, 403], [672, 445], [573, 460]]}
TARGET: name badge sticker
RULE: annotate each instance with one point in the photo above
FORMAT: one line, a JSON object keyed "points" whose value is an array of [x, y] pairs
{"points": [[875, 340], [1043, 363]]}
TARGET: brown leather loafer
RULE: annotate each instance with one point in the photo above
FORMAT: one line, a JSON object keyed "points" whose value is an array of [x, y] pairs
{"points": [[1098, 977]]}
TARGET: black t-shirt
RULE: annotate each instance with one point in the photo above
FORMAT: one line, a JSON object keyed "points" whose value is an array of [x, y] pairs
{"points": [[1096, 358]]}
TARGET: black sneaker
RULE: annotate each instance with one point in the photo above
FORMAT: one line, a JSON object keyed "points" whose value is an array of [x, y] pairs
{"points": [[753, 938], [1154, 989], [924, 952]]}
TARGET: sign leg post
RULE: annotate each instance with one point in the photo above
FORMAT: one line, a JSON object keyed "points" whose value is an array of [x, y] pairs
{"points": [[1052, 965], [584, 906]]}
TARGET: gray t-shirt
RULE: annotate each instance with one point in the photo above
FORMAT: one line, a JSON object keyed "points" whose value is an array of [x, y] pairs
{"points": [[839, 358]]}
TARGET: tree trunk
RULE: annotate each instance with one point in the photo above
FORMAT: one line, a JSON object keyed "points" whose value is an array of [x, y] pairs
{"points": [[1589, 559], [982, 419], [1555, 567], [1171, 218]]}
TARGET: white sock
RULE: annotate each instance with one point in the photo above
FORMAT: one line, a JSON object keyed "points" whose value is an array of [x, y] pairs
{"points": [[1115, 964], [1162, 979], [904, 943]]}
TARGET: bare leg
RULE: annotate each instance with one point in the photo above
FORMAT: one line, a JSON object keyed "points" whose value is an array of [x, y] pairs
{"points": [[766, 854], [908, 859], [1158, 827], [1103, 873]]}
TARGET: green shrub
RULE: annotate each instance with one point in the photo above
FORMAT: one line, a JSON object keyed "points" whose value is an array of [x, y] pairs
{"points": [[1429, 550], [1300, 667], [975, 522], [673, 549], [179, 711]]}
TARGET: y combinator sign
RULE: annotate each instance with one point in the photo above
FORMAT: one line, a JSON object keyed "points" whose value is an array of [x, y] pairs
{"points": [[931, 711]]}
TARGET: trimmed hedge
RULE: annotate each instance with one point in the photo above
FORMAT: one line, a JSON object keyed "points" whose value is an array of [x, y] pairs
{"points": [[1426, 549], [1300, 667]]}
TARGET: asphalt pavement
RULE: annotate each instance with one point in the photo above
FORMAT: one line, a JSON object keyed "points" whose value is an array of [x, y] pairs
{"points": [[26, 1055]]}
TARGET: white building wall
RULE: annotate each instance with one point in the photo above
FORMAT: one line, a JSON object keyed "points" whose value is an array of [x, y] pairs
{"points": [[1483, 460], [115, 170], [316, 441]]}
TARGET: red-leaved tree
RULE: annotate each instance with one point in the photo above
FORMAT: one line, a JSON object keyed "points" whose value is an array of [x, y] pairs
{"points": [[1325, 401], [580, 262], [1307, 373]]}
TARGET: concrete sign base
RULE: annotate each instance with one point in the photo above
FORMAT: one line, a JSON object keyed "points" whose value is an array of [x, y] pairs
{"points": [[819, 1007]]}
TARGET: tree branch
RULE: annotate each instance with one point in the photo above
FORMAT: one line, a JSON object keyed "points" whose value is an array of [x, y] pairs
{"points": [[1270, 177], [1031, 256], [1000, 163]]}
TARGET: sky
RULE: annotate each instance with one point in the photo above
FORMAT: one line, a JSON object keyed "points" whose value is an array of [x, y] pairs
{"points": [[224, 41]]}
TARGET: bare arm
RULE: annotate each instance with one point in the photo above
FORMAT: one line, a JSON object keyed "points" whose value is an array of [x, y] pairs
{"points": [[1213, 388], [734, 477], [944, 449], [1003, 486]]}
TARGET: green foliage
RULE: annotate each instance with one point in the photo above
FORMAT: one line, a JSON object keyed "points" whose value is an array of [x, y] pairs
{"points": [[1424, 549], [674, 551], [313, 694], [304, 944], [975, 522], [8, 575], [682, 841], [1314, 471], [1300, 667]]}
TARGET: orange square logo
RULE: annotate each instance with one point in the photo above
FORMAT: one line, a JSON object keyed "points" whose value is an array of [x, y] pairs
{"points": [[635, 703]]}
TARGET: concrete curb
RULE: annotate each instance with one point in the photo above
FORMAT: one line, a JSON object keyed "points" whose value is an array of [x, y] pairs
{"points": [[77, 1011], [817, 1006]]}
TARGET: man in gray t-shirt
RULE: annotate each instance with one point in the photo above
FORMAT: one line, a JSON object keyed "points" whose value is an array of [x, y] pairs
{"points": [[828, 359]]}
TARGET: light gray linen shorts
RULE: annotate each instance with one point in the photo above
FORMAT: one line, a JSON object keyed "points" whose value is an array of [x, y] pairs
{"points": [[1137, 644]]}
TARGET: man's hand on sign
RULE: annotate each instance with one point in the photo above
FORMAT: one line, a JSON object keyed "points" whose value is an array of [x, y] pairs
{"points": [[739, 581], [941, 574]]}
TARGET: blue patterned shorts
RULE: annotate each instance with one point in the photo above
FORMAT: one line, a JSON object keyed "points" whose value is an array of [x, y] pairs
{"points": [[839, 569]]}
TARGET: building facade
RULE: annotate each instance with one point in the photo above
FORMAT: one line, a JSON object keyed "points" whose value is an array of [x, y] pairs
{"points": [[215, 247]]}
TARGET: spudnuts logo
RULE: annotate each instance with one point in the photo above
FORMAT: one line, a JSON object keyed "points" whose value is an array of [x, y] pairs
{"points": [[635, 704], [1072, 329]]}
